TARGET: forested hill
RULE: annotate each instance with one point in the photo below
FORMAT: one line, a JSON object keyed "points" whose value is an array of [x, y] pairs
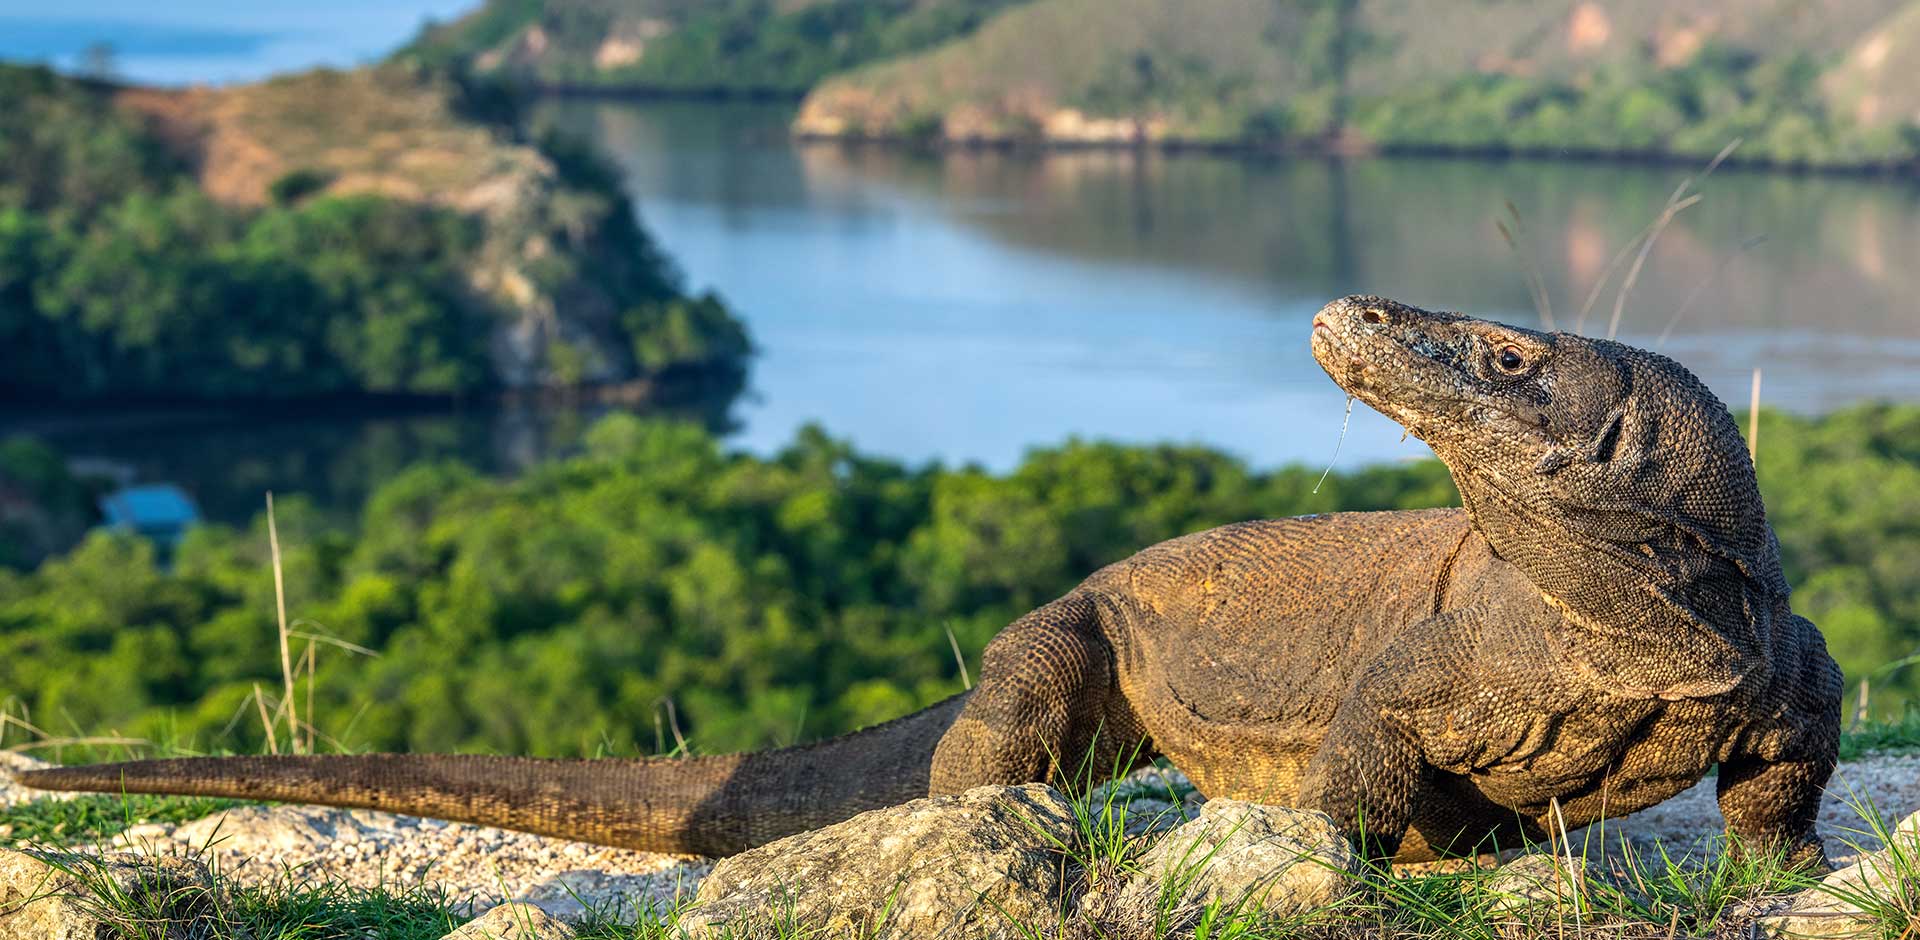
{"points": [[779, 47], [1813, 83], [323, 234]]}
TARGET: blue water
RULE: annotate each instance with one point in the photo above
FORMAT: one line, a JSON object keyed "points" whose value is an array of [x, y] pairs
{"points": [[968, 306], [213, 41]]}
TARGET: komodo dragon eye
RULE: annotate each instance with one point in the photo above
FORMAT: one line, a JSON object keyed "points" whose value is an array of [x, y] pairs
{"points": [[1510, 359]]}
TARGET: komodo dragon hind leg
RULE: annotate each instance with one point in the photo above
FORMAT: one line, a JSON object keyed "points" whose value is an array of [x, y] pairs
{"points": [[1047, 709]]}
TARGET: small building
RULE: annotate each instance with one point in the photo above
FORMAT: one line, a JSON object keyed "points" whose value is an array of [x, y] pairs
{"points": [[162, 512]]}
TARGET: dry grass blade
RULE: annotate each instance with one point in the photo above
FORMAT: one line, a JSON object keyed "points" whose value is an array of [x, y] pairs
{"points": [[966, 680], [76, 742], [1675, 205], [266, 721], [280, 603], [347, 645], [1660, 224], [1700, 289], [1530, 267], [1753, 420]]}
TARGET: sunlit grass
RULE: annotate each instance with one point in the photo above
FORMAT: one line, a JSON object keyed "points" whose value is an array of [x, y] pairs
{"points": [[97, 817], [1630, 893]]}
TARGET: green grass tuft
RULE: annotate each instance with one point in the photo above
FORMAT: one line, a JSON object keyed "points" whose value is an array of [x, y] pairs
{"points": [[1900, 735], [94, 818]]}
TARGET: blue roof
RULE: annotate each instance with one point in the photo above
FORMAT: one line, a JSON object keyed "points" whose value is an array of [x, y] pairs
{"points": [[150, 506]]}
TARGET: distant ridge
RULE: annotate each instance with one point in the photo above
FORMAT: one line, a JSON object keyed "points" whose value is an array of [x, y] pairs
{"points": [[1823, 84]]}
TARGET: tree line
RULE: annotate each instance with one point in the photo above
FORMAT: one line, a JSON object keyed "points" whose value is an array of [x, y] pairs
{"points": [[657, 584]]}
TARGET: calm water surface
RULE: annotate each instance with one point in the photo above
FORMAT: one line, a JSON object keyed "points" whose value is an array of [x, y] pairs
{"points": [[969, 307]]}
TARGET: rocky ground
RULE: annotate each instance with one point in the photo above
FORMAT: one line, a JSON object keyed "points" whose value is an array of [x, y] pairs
{"points": [[480, 867]]}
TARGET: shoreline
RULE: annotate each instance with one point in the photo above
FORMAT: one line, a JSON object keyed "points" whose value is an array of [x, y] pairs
{"points": [[41, 415], [1351, 150], [1339, 147]]}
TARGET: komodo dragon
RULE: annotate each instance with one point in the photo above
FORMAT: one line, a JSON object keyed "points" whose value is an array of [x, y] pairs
{"points": [[1603, 622]]}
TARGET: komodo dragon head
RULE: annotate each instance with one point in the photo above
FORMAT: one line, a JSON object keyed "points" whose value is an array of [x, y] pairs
{"points": [[1608, 474]]}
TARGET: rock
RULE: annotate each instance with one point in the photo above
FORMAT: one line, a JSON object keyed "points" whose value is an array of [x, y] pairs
{"points": [[1831, 910], [962, 865], [57, 895], [1538, 884], [513, 922], [276, 831], [1284, 861], [579, 895], [13, 794]]}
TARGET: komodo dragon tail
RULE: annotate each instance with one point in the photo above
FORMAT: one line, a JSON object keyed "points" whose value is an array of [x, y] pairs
{"points": [[702, 805]]}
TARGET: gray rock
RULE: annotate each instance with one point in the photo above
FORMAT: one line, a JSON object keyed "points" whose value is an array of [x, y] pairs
{"points": [[13, 794], [275, 831], [59, 896], [513, 922], [1537, 885], [1284, 861], [948, 866], [581, 895], [1831, 910]]}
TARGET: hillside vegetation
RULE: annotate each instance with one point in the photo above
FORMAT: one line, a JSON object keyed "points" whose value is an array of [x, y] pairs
{"points": [[1804, 83], [657, 584], [780, 47], [318, 234]]}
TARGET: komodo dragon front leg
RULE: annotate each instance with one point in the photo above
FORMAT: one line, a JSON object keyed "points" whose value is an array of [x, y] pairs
{"points": [[1381, 749]]}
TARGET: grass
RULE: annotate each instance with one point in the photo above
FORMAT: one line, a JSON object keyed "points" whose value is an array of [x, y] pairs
{"points": [[94, 818], [1895, 736], [1632, 894], [1644, 893]]}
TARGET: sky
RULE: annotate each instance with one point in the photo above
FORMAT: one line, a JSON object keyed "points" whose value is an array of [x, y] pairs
{"points": [[177, 42]]}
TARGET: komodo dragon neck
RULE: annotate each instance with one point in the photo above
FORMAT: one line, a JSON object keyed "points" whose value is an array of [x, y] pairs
{"points": [[1625, 497]]}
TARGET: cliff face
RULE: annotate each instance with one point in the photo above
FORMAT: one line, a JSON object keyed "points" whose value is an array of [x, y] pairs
{"points": [[550, 266]]}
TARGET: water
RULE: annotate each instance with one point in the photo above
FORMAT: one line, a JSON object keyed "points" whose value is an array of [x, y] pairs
{"points": [[213, 41], [969, 307]]}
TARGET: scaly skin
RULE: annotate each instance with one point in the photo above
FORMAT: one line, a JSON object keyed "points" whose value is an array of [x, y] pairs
{"points": [[1604, 621]]}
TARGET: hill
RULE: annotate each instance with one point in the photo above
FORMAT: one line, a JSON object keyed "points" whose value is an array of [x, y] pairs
{"points": [[326, 233], [1803, 83], [777, 47], [1812, 84]]}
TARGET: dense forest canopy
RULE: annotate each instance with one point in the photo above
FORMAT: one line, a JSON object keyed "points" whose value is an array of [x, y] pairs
{"points": [[769, 599], [123, 275]]}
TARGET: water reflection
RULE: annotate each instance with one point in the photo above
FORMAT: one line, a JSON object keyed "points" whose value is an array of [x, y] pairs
{"points": [[971, 304]]}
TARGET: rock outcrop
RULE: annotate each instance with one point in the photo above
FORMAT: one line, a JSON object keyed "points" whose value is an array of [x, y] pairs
{"points": [[971, 865]]}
